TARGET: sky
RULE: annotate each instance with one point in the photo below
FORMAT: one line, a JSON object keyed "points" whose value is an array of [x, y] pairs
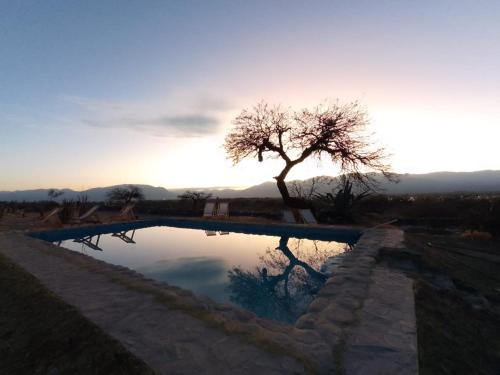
{"points": [[97, 93]]}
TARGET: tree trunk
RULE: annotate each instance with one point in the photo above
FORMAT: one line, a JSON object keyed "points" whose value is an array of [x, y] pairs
{"points": [[289, 201], [283, 189]]}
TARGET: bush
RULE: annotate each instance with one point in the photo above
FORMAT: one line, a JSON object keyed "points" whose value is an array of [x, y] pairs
{"points": [[68, 212]]}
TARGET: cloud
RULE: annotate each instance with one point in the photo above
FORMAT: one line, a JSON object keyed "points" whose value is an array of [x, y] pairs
{"points": [[209, 103], [189, 125], [199, 116]]}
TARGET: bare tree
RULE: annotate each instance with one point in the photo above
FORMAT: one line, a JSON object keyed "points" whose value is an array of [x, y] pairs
{"points": [[333, 130], [125, 194], [54, 193], [287, 277], [345, 196], [310, 188], [195, 197]]}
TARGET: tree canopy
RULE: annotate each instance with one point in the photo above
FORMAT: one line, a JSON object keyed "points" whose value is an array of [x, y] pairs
{"points": [[125, 194], [194, 195], [54, 193], [336, 131]]}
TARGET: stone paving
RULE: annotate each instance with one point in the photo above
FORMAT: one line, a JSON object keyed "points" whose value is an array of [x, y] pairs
{"points": [[366, 311], [384, 341], [363, 320]]}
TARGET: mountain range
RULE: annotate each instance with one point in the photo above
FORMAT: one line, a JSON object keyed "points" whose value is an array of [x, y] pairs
{"points": [[438, 182]]}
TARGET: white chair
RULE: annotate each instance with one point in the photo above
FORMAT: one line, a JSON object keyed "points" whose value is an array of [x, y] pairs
{"points": [[90, 215], [308, 216], [126, 213], [288, 217], [223, 209], [52, 215], [209, 209]]}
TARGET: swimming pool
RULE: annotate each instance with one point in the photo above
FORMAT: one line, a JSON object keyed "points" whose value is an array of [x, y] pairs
{"points": [[271, 270]]}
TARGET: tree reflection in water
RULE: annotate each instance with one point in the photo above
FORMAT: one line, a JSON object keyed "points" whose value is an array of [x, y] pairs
{"points": [[287, 280]]}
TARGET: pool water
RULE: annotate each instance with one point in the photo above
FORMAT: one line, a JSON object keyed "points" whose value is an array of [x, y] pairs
{"points": [[275, 276]]}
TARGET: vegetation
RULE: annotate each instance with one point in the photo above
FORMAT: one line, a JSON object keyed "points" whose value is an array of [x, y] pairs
{"points": [[125, 195], [73, 208], [54, 193], [436, 212], [340, 203], [68, 211], [309, 191], [334, 131]]}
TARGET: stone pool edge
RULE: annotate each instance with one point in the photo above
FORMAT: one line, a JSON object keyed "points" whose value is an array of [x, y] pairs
{"points": [[319, 337]]}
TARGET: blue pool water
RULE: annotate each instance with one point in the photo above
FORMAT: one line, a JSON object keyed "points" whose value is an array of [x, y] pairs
{"points": [[271, 270]]}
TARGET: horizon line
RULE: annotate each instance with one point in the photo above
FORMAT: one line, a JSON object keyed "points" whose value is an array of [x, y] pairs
{"points": [[173, 188]]}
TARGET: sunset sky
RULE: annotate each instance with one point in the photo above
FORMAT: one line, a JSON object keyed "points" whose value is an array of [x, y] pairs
{"points": [[96, 93]]}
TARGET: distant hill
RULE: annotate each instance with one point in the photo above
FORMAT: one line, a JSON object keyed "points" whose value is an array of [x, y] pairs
{"points": [[94, 194], [445, 182], [438, 182]]}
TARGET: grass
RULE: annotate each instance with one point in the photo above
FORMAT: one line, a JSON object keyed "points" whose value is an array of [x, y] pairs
{"points": [[41, 334]]}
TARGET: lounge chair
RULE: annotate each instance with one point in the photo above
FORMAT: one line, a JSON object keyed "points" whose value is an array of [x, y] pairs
{"points": [[288, 217], [126, 213], [209, 209], [89, 216], [52, 215], [223, 209], [308, 216]]}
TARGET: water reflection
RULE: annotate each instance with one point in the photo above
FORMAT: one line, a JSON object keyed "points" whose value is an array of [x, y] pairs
{"points": [[89, 242], [284, 285], [275, 277], [124, 236], [210, 233], [202, 275], [93, 244]]}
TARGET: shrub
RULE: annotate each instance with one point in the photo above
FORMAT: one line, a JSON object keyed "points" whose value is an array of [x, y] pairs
{"points": [[69, 208]]}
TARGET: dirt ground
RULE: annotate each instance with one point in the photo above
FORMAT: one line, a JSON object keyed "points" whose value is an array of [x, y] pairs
{"points": [[457, 299]]}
